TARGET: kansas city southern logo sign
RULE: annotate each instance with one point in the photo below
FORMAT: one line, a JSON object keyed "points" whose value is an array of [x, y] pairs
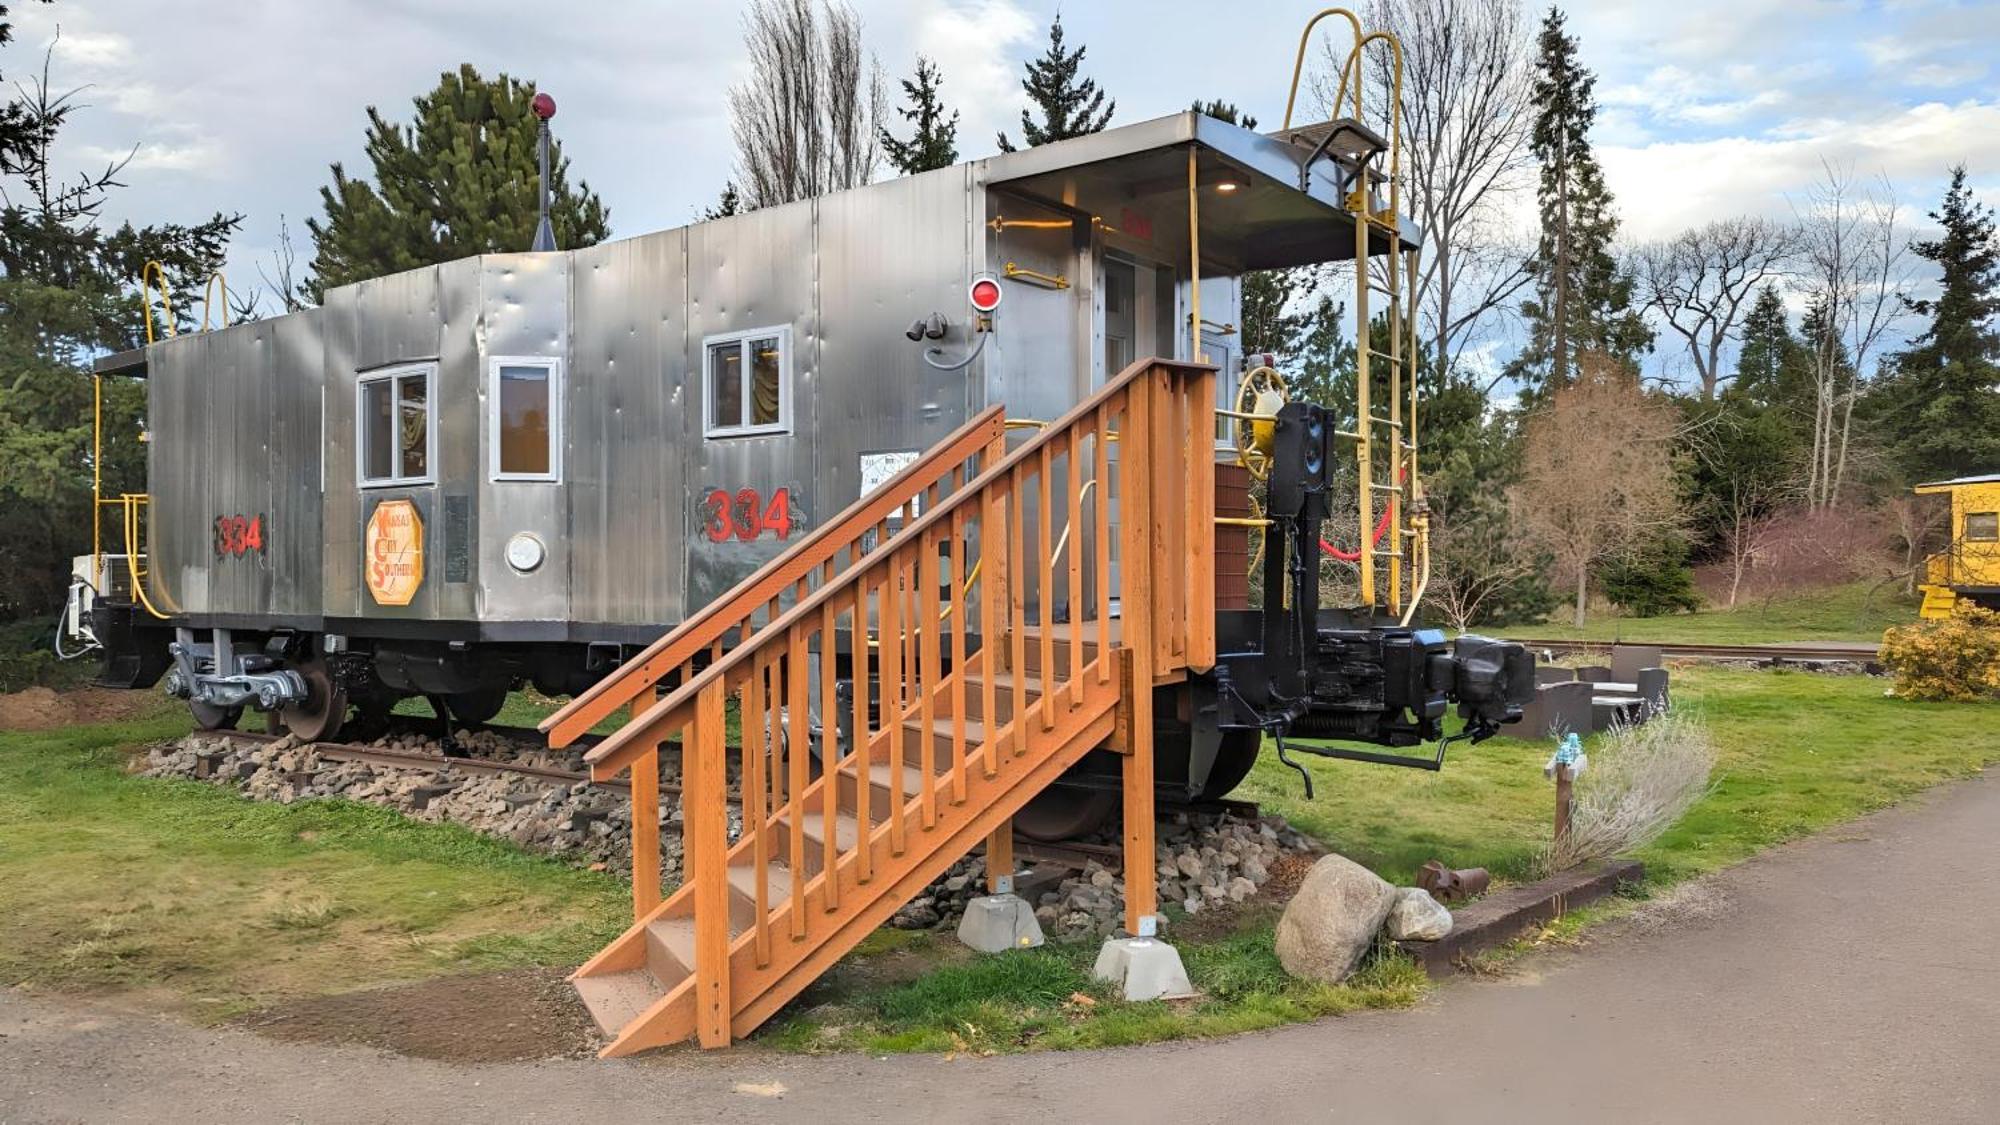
{"points": [[393, 552]]}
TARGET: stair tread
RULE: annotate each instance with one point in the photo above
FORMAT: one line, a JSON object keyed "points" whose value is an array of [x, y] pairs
{"points": [[882, 774], [1065, 630], [1002, 682], [777, 885], [846, 828], [616, 999], [975, 730]]}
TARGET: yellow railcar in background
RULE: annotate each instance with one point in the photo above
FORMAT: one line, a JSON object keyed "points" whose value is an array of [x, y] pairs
{"points": [[1969, 569]]}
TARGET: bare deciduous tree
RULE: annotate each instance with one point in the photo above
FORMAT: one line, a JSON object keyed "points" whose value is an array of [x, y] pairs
{"points": [[1855, 282], [1598, 471], [1466, 111], [1702, 281], [805, 122], [1469, 573]]}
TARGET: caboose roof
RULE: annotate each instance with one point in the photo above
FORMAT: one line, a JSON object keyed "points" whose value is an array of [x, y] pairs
{"points": [[1959, 482]]}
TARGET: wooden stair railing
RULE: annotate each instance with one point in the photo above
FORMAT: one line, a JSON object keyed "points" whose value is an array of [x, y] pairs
{"points": [[966, 701], [827, 551]]}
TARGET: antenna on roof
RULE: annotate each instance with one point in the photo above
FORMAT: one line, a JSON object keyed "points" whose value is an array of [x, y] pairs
{"points": [[545, 108]]}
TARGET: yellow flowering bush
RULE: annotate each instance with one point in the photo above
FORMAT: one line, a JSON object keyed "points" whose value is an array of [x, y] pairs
{"points": [[1956, 658]]}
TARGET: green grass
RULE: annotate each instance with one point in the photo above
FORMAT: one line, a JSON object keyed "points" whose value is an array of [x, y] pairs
{"points": [[1857, 612], [197, 900], [1045, 999], [194, 900], [1798, 753]]}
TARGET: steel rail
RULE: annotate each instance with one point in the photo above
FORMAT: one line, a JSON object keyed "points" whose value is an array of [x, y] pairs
{"points": [[1860, 651]]}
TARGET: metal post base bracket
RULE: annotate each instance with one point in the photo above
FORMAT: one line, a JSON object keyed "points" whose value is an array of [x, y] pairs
{"points": [[998, 923], [1144, 968]]}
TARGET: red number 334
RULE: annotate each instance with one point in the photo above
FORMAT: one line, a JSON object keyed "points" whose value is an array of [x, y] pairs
{"points": [[745, 515]]}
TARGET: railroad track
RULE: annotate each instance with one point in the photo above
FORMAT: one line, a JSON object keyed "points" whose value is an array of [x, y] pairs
{"points": [[1860, 651], [1069, 853]]}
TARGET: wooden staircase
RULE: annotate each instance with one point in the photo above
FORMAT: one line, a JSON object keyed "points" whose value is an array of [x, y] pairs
{"points": [[961, 706]]}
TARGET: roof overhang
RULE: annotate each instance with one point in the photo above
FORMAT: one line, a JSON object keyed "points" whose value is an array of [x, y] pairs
{"points": [[1957, 482], [1276, 216]]}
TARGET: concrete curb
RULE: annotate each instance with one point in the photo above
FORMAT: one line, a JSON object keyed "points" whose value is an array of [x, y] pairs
{"points": [[1502, 915]]}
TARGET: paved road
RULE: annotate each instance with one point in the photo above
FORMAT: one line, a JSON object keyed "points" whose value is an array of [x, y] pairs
{"points": [[1845, 978]]}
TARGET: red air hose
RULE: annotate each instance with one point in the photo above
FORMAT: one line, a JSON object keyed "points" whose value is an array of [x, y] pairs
{"points": [[1381, 529]]}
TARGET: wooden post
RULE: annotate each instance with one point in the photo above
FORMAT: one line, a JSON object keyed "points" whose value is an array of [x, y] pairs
{"points": [[1000, 859], [1136, 672], [706, 834], [1565, 793], [645, 827]]}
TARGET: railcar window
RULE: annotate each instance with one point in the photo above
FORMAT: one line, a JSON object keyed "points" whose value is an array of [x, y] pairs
{"points": [[1982, 527], [527, 418], [748, 382], [394, 423]]}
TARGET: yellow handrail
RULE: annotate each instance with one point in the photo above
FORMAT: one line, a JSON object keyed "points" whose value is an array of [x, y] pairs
{"points": [[1299, 64], [150, 273], [132, 502], [208, 297]]}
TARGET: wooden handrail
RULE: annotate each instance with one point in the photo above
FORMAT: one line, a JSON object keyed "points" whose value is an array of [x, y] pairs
{"points": [[700, 632], [839, 811], [650, 727]]}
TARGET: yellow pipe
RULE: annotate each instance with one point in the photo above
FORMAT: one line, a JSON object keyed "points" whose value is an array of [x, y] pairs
{"points": [[96, 476], [208, 299], [132, 502], [1194, 261], [1299, 63], [150, 273]]}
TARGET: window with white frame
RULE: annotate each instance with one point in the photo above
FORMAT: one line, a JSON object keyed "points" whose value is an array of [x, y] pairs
{"points": [[396, 425], [525, 411], [747, 377]]}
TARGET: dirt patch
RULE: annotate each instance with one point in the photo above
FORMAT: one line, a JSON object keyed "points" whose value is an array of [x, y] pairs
{"points": [[493, 1017], [1287, 873], [40, 708]]}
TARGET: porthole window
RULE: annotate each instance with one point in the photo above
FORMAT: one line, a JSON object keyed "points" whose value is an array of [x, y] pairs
{"points": [[395, 420], [524, 396], [747, 377]]}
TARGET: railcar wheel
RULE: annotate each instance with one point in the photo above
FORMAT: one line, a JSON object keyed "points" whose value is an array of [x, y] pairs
{"points": [[208, 716], [1064, 813], [325, 708], [1233, 762], [477, 706]]}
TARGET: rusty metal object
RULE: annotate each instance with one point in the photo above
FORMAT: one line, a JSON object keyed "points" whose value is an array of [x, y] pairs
{"points": [[1448, 885]]}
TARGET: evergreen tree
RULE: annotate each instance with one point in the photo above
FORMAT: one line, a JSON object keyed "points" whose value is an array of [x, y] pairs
{"points": [[730, 202], [934, 144], [1070, 105], [1225, 111], [1583, 301], [459, 181], [1940, 409], [70, 292]]}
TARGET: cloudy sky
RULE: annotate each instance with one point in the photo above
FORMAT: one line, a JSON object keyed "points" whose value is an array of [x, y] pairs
{"points": [[1709, 107]]}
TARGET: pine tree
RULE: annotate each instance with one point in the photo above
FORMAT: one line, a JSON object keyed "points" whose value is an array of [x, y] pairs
{"points": [[459, 181], [1940, 409], [1225, 111], [70, 292], [935, 143], [1071, 106], [1583, 300], [730, 202]]}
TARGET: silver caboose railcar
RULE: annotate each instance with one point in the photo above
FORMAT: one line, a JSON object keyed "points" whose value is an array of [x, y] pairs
{"points": [[516, 467]]}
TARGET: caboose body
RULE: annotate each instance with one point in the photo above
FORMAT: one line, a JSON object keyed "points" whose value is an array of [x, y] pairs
{"points": [[518, 466]]}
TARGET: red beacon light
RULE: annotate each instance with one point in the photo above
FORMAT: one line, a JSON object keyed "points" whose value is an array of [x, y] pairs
{"points": [[984, 293], [544, 106]]}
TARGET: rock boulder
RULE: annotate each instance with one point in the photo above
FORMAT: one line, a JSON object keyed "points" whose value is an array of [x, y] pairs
{"points": [[1332, 921], [1416, 916]]}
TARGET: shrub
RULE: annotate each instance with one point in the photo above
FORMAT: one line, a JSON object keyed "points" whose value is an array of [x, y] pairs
{"points": [[1953, 659], [1639, 782]]}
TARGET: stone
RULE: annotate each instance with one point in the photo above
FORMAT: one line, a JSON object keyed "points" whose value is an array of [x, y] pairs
{"points": [[1240, 888], [1333, 919], [1102, 878], [1416, 916], [998, 923], [1143, 969], [1190, 864]]}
